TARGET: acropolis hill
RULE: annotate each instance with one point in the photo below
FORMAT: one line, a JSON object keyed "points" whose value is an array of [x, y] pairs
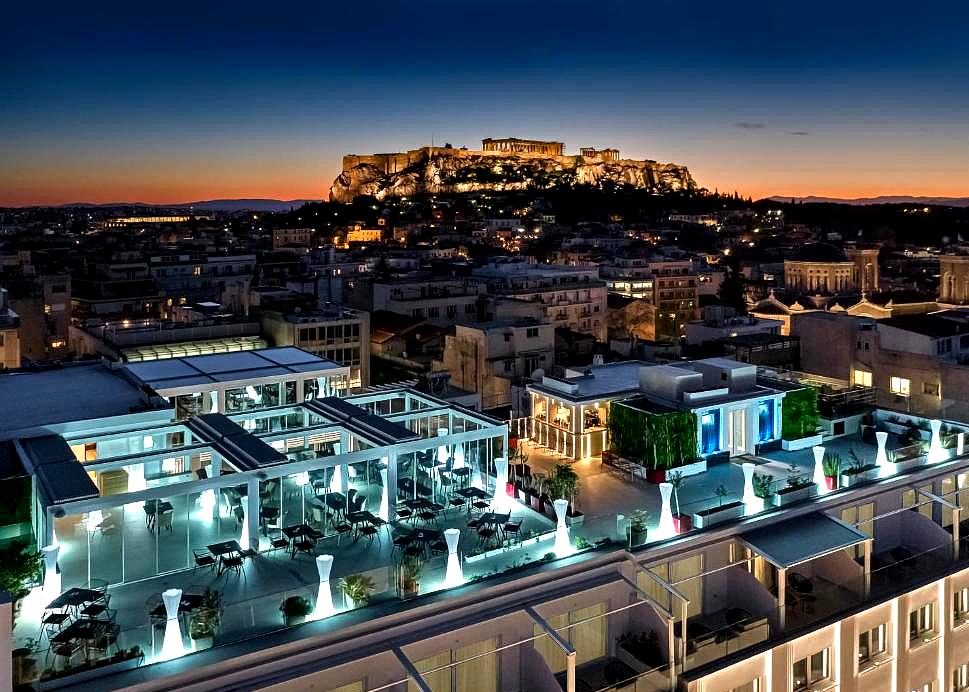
{"points": [[500, 164]]}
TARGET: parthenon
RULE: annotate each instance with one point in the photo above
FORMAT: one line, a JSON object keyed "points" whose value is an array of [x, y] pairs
{"points": [[523, 146]]}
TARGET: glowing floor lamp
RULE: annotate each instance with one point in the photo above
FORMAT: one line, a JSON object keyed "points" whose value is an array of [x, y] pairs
{"points": [[302, 480], [818, 451], [881, 456], [442, 453], [563, 544], [384, 493], [324, 598], [244, 536], [500, 499], [453, 576], [172, 646], [754, 503], [666, 527], [936, 451]]}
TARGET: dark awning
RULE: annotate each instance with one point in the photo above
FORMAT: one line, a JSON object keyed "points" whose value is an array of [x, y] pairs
{"points": [[800, 539]]}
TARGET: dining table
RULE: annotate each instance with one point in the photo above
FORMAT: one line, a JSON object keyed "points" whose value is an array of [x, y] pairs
{"points": [[74, 598], [82, 631]]}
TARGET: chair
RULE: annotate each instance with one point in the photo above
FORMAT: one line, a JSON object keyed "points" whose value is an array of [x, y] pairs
{"points": [[278, 542], [53, 623], [342, 529], [438, 547], [513, 528], [67, 651], [166, 520], [485, 535], [96, 610], [401, 542], [204, 560], [403, 514], [248, 553], [427, 516], [456, 502], [303, 546], [240, 515], [369, 531], [233, 563]]}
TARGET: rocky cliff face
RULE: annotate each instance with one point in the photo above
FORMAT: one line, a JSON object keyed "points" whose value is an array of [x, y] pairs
{"points": [[465, 171]]}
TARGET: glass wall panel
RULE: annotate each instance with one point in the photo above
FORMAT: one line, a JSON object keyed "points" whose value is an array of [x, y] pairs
{"points": [[172, 528], [106, 540], [140, 540]]}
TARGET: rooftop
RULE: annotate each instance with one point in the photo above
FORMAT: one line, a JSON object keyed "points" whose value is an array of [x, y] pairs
{"points": [[219, 368], [936, 326], [64, 395], [609, 381]]}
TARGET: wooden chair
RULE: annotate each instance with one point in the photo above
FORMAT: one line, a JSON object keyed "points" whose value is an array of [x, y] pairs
{"points": [[513, 528]]}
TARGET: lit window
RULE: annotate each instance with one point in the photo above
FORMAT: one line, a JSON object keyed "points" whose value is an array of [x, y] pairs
{"points": [[921, 622], [812, 670], [960, 606], [862, 378], [871, 644], [900, 386], [960, 678]]}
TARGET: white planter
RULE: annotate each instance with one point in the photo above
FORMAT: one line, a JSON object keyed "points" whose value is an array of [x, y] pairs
{"points": [[693, 469], [717, 515], [803, 443], [534, 540], [203, 643], [784, 497]]}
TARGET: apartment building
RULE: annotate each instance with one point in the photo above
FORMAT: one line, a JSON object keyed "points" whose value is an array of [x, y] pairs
{"points": [[671, 286], [721, 323], [9, 334], [495, 359], [915, 363], [572, 297], [439, 301], [333, 332], [191, 277]]}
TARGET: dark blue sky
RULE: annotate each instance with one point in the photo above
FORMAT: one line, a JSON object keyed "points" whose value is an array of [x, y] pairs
{"points": [[183, 101]]}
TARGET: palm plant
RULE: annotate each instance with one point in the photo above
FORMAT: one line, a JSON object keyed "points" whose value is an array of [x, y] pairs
{"points": [[675, 478]]}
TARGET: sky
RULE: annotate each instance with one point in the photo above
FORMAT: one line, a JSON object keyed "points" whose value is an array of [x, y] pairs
{"points": [[176, 101]]}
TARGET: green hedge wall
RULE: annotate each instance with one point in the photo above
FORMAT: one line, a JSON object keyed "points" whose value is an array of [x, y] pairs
{"points": [[799, 413], [655, 440]]}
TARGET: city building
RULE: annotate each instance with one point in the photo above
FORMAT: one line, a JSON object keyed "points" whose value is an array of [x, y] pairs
{"points": [[824, 268], [572, 297], [734, 413], [43, 304], [670, 286], [239, 382], [439, 301], [497, 358], [721, 323], [954, 279], [193, 277], [9, 334], [289, 238], [330, 331], [134, 341]]}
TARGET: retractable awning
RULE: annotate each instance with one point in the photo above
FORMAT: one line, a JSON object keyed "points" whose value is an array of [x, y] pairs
{"points": [[801, 539]]}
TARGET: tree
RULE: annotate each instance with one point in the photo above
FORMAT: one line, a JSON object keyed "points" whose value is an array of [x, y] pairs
{"points": [[732, 291]]}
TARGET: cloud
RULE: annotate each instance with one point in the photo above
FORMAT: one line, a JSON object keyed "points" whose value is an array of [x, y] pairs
{"points": [[750, 126], [800, 133]]}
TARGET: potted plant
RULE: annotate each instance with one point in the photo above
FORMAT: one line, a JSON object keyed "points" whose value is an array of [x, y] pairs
{"points": [[295, 609], [563, 483], [411, 568], [831, 466], [637, 531], [681, 522], [858, 472], [721, 512], [205, 620], [357, 589], [763, 484], [799, 487]]}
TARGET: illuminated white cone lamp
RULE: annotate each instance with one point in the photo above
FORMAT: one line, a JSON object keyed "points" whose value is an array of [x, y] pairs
{"points": [[384, 494], [881, 456], [244, 536], [960, 443], [336, 482], [324, 598], [453, 575], [754, 503], [500, 500], [563, 545], [666, 527], [442, 453], [172, 646], [459, 457], [818, 451], [936, 451]]}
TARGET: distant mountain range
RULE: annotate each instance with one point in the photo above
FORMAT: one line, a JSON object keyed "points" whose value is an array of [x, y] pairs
{"points": [[885, 199], [209, 205]]}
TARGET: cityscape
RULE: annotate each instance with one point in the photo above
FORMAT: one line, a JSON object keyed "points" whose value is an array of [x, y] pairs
{"points": [[441, 349]]}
